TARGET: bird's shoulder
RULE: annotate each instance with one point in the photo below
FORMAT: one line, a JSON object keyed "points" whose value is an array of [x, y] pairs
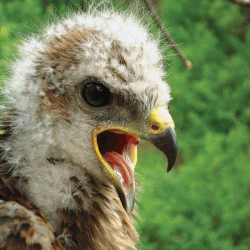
{"points": [[20, 228], [22, 225]]}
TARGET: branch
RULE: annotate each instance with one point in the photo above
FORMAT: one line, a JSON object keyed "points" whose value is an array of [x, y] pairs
{"points": [[241, 2], [149, 5]]}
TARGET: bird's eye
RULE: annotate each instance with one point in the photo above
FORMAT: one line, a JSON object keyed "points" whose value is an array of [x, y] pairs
{"points": [[96, 94]]}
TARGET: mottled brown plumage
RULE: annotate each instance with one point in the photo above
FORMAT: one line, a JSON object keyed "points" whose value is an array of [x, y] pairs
{"points": [[22, 225]]}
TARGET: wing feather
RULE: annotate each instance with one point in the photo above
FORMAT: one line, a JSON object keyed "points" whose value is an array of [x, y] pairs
{"points": [[20, 228]]}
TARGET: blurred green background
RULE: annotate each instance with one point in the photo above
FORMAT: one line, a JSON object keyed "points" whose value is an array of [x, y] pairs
{"points": [[204, 202]]}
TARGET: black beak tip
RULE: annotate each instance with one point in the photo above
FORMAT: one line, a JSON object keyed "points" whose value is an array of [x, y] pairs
{"points": [[167, 143], [172, 148], [170, 165]]}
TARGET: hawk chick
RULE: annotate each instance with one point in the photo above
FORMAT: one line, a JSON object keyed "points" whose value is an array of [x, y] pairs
{"points": [[80, 97]]}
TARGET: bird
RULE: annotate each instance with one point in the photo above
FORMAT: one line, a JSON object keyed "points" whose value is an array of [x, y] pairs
{"points": [[80, 97]]}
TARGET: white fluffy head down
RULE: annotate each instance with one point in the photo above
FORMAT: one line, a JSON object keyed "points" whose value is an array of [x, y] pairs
{"points": [[54, 122], [101, 30]]}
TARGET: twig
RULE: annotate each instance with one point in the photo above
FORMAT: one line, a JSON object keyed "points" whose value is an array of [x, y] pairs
{"points": [[149, 5], [241, 2]]}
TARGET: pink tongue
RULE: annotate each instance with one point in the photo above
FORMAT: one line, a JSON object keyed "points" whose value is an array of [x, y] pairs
{"points": [[118, 163]]}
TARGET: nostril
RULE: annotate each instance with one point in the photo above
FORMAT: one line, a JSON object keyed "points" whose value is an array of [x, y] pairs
{"points": [[155, 127]]}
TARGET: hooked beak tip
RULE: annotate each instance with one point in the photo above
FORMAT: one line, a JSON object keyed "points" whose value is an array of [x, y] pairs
{"points": [[167, 143]]}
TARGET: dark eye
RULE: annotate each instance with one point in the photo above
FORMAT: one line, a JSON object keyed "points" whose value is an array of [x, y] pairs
{"points": [[96, 94]]}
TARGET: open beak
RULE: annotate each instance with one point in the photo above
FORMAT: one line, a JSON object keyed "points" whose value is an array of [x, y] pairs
{"points": [[116, 148]]}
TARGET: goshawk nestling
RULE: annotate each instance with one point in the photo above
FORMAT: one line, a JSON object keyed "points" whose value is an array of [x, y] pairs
{"points": [[80, 97]]}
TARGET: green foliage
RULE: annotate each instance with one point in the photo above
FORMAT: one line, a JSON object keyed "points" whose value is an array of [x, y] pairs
{"points": [[203, 205], [16, 18], [204, 202]]}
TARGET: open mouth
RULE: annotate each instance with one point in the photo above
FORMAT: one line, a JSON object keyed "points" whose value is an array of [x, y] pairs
{"points": [[118, 150]]}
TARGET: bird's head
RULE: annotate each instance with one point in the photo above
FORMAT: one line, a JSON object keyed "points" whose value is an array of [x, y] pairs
{"points": [[97, 81]]}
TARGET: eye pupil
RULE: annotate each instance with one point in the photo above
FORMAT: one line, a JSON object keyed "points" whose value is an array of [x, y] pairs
{"points": [[96, 94]]}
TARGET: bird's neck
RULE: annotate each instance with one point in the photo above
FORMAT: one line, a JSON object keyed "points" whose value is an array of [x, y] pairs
{"points": [[104, 225], [84, 213]]}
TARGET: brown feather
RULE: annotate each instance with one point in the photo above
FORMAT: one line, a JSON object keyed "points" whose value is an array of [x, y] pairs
{"points": [[62, 50], [21, 228], [55, 103], [105, 226]]}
